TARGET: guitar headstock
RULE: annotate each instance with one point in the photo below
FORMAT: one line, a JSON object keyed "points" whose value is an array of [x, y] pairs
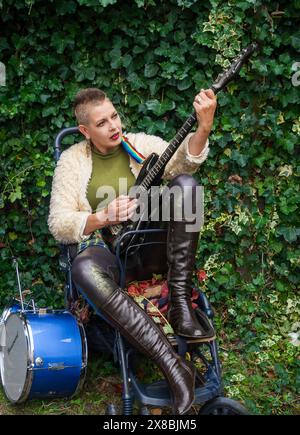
{"points": [[232, 71]]}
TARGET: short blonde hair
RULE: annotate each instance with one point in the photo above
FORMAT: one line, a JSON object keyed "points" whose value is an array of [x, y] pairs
{"points": [[83, 98]]}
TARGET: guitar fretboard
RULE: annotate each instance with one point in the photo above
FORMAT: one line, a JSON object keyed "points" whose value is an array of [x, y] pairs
{"points": [[221, 81], [169, 151]]}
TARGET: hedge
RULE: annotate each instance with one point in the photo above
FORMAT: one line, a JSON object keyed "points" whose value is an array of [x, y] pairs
{"points": [[151, 57]]}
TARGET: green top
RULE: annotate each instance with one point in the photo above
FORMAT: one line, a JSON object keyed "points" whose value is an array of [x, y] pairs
{"points": [[107, 169]]}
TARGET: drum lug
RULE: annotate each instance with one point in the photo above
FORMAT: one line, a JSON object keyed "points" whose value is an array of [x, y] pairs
{"points": [[39, 361]]}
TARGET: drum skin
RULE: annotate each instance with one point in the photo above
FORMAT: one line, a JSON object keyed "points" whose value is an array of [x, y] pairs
{"points": [[14, 307], [54, 346]]}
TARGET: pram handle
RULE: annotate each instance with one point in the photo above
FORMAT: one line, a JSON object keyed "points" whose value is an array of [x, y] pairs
{"points": [[58, 140]]}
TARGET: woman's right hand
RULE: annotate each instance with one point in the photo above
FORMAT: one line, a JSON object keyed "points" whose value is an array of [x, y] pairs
{"points": [[121, 209]]}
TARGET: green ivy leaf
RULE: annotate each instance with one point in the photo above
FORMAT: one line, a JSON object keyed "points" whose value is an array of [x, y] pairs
{"points": [[160, 108], [241, 159], [184, 84], [290, 234], [151, 70], [16, 194]]}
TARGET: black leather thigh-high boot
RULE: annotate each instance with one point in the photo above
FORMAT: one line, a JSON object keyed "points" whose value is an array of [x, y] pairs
{"points": [[181, 252], [94, 274], [140, 330]]}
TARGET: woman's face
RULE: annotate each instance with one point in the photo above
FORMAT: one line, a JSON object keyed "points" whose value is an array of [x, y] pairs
{"points": [[104, 127]]}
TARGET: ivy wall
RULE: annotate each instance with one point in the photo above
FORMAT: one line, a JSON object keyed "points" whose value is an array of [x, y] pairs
{"points": [[151, 57]]}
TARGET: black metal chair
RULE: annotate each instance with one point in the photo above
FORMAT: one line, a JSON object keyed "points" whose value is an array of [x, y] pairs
{"points": [[209, 382]]}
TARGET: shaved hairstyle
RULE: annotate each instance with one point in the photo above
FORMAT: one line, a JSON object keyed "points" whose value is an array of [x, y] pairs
{"points": [[83, 98]]}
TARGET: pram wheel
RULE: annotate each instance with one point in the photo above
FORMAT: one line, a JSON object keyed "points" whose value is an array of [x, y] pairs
{"points": [[145, 411], [223, 406], [112, 409]]}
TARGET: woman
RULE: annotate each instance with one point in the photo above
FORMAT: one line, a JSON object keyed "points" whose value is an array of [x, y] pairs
{"points": [[76, 217]]}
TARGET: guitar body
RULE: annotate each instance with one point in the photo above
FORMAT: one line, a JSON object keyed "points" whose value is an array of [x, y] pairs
{"points": [[146, 168], [111, 236]]}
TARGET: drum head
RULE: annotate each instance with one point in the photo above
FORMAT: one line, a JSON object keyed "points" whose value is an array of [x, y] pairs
{"points": [[14, 357], [2, 343]]}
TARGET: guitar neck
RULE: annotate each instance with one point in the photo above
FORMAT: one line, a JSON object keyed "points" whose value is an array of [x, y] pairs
{"points": [[171, 148], [169, 151], [219, 84]]}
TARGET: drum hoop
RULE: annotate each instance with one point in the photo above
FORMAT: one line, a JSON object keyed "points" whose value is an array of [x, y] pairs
{"points": [[6, 313], [84, 346], [30, 359]]}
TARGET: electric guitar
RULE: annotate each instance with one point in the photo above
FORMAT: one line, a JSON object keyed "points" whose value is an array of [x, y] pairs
{"points": [[154, 166]]}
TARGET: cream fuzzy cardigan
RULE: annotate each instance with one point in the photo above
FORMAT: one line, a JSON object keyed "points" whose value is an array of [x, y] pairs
{"points": [[69, 207]]}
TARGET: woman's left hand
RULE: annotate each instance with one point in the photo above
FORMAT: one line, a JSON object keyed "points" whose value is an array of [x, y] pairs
{"points": [[205, 104]]}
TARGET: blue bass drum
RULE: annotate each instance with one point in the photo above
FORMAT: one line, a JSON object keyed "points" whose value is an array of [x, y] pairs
{"points": [[44, 354]]}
